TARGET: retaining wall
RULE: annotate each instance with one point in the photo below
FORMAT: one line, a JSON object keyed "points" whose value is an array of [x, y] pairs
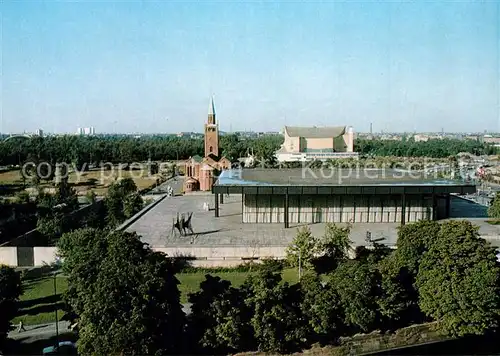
{"points": [[202, 256], [8, 256]]}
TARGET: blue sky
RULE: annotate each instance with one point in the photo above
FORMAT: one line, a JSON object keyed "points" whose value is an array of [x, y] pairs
{"points": [[149, 66]]}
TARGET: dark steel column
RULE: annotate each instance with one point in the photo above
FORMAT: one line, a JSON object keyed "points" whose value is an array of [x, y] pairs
{"points": [[216, 205], [448, 205], [287, 223], [222, 198], [434, 207], [403, 209], [242, 206]]}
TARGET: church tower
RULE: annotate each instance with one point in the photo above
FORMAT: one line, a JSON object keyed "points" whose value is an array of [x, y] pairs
{"points": [[211, 132]]}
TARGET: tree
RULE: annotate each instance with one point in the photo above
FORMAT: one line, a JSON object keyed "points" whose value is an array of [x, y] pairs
{"points": [[321, 308], [10, 290], [91, 197], [126, 295], [458, 281], [413, 241], [303, 247], [231, 147], [219, 321], [66, 195], [354, 283], [494, 208], [122, 201], [278, 323], [397, 299], [132, 205], [51, 227], [333, 247]]}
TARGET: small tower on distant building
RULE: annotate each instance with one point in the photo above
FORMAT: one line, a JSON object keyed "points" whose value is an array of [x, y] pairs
{"points": [[211, 132]]}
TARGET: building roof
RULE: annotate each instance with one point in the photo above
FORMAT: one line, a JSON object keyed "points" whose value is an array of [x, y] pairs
{"points": [[315, 132], [191, 180], [207, 167], [214, 157], [338, 181], [197, 158]]}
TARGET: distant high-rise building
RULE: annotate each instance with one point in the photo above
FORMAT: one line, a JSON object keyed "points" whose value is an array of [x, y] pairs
{"points": [[87, 131], [39, 132]]}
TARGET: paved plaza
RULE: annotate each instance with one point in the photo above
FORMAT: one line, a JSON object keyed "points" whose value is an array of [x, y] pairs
{"points": [[155, 226]]}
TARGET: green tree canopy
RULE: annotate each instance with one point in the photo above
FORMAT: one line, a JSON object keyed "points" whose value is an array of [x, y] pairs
{"points": [[333, 247], [494, 208], [122, 201], [458, 281], [355, 284], [219, 321], [277, 321], [413, 241], [126, 295], [321, 308], [10, 290], [303, 248]]}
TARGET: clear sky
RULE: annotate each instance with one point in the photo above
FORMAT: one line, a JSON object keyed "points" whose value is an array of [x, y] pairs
{"points": [[149, 66]]}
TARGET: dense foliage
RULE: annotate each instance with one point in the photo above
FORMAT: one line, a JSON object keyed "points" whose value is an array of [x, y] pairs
{"points": [[458, 281], [125, 295], [128, 302], [122, 201], [78, 150], [323, 254], [431, 148], [10, 290], [494, 208]]}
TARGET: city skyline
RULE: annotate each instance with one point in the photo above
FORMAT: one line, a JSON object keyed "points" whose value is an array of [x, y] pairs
{"points": [[151, 67]]}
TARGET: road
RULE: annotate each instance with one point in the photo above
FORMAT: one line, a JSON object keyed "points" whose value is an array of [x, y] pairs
{"points": [[48, 330], [39, 332], [175, 183]]}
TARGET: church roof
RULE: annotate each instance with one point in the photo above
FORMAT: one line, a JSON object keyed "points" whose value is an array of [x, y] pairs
{"points": [[197, 158], [191, 180], [214, 157], [315, 132]]}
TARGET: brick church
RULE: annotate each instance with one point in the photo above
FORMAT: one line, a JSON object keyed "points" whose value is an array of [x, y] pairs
{"points": [[201, 172]]}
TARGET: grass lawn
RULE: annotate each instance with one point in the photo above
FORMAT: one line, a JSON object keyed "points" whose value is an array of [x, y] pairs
{"points": [[97, 180], [190, 282], [38, 301]]}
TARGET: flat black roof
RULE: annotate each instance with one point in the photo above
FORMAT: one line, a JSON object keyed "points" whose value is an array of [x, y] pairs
{"points": [[336, 181]]}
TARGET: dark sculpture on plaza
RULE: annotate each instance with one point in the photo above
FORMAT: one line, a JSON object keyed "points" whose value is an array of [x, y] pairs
{"points": [[182, 225]]}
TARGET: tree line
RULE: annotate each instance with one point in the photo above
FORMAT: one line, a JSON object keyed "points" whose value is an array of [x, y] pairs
{"points": [[436, 148], [53, 214], [78, 150], [127, 300]]}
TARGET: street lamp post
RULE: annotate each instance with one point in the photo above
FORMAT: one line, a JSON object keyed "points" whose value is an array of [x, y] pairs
{"points": [[55, 308], [300, 265], [300, 260], [57, 265]]}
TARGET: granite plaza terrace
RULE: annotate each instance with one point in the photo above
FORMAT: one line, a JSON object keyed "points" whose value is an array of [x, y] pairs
{"points": [[308, 196]]}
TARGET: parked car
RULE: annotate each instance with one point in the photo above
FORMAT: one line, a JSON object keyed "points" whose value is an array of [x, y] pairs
{"points": [[64, 348]]}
